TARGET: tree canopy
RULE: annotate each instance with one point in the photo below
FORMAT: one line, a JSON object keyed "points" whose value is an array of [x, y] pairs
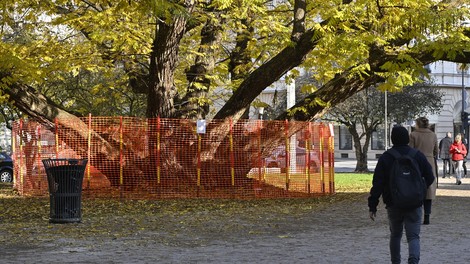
{"points": [[60, 59], [364, 113], [179, 55]]}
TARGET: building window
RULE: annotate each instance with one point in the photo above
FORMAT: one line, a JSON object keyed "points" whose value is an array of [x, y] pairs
{"points": [[378, 139], [345, 138]]}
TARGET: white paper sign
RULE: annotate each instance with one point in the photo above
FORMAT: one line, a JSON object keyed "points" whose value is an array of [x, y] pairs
{"points": [[201, 126]]}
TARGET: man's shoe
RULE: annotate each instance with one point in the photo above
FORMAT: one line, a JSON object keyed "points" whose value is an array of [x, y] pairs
{"points": [[459, 182]]}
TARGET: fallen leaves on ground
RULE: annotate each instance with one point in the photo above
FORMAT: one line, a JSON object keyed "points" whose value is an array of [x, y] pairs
{"points": [[189, 222]]}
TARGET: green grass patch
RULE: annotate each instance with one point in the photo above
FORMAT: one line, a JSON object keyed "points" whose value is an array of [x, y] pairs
{"points": [[353, 182]]}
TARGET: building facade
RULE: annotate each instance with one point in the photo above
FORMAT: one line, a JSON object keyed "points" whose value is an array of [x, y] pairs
{"points": [[5, 138], [453, 82], [447, 76]]}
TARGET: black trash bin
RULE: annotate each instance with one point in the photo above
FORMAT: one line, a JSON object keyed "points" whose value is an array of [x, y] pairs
{"points": [[65, 177]]}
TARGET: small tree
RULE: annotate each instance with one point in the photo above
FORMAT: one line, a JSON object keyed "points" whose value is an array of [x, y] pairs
{"points": [[364, 113]]}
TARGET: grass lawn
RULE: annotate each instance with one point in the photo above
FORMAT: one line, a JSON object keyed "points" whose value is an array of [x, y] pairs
{"points": [[353, 182]]}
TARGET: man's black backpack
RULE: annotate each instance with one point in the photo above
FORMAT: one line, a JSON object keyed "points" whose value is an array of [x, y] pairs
{"points": [[407, 186]]}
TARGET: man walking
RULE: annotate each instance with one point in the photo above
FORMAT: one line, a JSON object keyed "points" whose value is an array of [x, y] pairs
{"points": [[398, 217], [444, 146]]}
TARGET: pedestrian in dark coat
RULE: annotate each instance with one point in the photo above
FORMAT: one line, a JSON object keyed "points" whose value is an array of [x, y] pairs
{"points": [[398, 218], [444, 154]]}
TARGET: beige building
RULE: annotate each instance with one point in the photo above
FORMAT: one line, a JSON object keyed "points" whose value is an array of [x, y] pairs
{"points": [[447, 76], [452, 81]]}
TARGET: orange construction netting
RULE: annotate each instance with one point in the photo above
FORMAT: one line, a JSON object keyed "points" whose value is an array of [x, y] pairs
{"points": [[178, 158]]}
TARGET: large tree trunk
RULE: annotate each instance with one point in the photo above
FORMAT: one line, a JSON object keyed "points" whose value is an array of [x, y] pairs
{"points": [[163, 62], [266, 75], [40, 108], [195, 103]]}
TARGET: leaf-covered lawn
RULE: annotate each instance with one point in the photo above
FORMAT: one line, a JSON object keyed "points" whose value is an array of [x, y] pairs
{"points": [[173, 222]]}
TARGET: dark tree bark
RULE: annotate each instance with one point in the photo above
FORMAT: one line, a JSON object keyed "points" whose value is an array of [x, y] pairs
{"points": [[163, 62], [198, 81], [265, 75]]}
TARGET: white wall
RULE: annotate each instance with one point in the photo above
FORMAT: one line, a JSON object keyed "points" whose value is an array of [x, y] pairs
{"points": [[448, 78]]}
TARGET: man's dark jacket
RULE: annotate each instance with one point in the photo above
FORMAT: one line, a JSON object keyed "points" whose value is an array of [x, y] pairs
{"points": [[444, 146], [381, 179]]}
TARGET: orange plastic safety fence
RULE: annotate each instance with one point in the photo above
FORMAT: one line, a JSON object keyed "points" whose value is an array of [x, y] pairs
{"points": [[179, 158]]}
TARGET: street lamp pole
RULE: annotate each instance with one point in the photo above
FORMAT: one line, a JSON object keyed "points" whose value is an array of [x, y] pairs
{"points": [[464, 99], [464, 103], [386, 122]]}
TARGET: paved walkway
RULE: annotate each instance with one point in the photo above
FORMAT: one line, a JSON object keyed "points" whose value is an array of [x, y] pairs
{"points": [[348, 165], [338, 234]]}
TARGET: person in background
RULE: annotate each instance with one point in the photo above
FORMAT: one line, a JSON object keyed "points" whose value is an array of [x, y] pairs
{"points": [[444, 154], [423, 139], [397, 217], [458, 151]]}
